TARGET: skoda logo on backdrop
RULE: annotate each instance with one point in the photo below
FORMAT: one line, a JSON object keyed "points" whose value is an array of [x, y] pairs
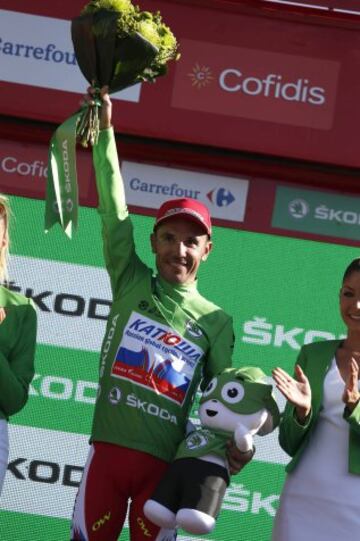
{"points": [[221, 197], [298, 208]]}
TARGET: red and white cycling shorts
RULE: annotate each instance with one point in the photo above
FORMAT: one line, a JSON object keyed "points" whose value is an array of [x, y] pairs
{"points": [[113, 475]]}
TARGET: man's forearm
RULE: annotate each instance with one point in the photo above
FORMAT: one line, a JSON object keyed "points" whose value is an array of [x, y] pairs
{"points": [[110, 185]]}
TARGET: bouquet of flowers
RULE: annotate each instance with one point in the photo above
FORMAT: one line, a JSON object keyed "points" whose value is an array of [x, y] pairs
{"points": [[116, 45]]}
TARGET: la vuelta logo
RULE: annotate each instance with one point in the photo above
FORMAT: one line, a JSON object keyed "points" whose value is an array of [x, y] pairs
{"points": [[256, 84]]}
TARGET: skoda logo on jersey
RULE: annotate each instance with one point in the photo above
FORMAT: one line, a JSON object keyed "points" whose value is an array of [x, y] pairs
{"points": [[115, 396], [193, 329], [298, 208], [221, 197]]}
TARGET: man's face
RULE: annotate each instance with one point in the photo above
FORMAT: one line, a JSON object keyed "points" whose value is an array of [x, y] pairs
{"points": [[180, 246]]}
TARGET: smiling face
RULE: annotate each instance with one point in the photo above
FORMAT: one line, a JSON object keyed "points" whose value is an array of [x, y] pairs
{"points": [[180, 246], [350, 301]]}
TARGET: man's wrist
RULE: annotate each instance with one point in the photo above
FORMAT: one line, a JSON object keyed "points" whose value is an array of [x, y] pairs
{"points": [[249, 452], [105, 127]]}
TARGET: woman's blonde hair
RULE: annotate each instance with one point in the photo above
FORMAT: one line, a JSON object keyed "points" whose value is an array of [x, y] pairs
{"points": [[4, 251]]}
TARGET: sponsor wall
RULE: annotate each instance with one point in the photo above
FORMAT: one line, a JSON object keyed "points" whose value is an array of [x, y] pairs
{"points": [[243, 202], [245, 81], [248, 274], [258, 91]]}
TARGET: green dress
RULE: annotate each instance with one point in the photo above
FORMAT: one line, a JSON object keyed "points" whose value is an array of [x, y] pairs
{"points": [[17, 351]]}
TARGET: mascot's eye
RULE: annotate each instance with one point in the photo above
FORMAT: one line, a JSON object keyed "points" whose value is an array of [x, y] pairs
{"points": [[210, 388], [232, 392]]}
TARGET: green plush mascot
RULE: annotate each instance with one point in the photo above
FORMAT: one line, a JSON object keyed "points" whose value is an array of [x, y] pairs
{"points": [[237, 403]]}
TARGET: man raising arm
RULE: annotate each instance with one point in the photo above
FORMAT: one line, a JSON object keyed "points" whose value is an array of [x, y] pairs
{"points": [[162, 339]]}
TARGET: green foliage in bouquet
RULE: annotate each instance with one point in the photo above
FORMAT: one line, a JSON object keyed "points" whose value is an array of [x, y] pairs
{"points": [[118, 45]]}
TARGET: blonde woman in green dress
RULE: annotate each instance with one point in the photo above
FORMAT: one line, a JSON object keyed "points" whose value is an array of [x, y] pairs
{"points": [[17, 343]]}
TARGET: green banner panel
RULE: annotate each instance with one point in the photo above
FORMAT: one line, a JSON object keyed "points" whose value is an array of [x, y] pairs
{"points": [[281, 292], [320, 213]]}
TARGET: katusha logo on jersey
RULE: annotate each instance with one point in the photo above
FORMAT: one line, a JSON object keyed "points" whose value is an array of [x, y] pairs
{"points": [[221, 197], [155, 356], [256, 84]]}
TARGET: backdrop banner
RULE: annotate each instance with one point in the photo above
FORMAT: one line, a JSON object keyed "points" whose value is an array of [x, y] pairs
{"points": [[282, 293], [245, 81]]}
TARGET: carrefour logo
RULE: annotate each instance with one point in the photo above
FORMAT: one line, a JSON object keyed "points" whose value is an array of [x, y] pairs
{"points": [[37, 51], [298, 208], [149, 185], [220, 197]]}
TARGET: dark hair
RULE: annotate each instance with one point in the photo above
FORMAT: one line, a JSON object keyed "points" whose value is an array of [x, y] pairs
{"points": [[353, 267]]}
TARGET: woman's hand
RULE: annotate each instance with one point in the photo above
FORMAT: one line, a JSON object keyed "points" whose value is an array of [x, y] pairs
{"points": [[296, 391], [351, 395], [2, 314]]}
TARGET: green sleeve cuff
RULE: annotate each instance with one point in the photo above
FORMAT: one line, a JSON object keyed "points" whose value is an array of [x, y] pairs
{"points": [[307, 421], [353, 417], [106, 134]]}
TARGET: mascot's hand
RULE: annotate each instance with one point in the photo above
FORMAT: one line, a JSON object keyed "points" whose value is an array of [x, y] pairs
{"points": [[248, 427]]}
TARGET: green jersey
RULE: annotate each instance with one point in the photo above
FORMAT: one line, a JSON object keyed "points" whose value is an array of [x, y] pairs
{"points": [[17, 351], [161, 339], [203, 442]]}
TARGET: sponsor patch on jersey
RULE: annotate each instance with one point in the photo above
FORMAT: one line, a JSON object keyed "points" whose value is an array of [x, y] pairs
{"points": [[193, 329], [198, 439], [156, 357]]}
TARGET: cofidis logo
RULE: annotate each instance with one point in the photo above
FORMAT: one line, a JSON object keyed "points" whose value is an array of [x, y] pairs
{"points": [[256, 84]]}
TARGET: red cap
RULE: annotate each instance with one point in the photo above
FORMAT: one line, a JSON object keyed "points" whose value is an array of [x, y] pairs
{"points": [[187, 208]]}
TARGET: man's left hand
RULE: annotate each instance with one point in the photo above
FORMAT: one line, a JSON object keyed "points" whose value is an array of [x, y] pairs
{"points": [[237, 460]]}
